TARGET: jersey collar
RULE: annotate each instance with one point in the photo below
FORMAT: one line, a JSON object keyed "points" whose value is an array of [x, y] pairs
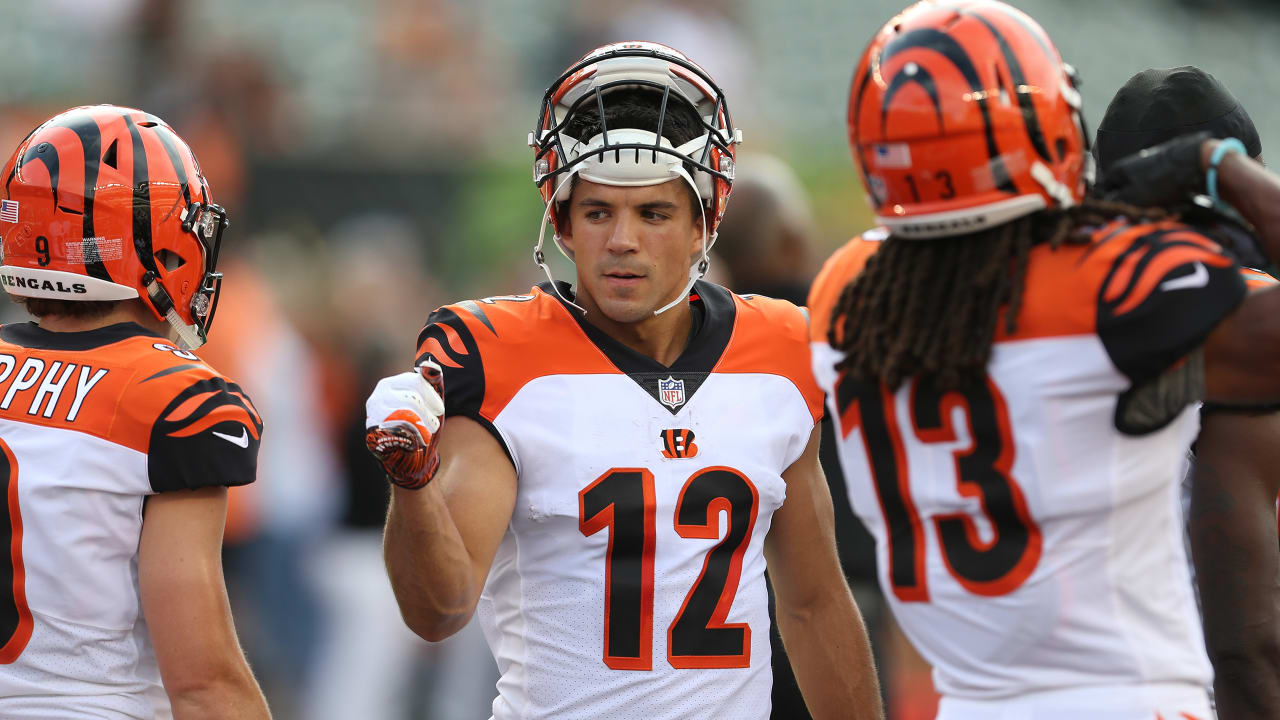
{"points": [[32, 336], [714, 314]]}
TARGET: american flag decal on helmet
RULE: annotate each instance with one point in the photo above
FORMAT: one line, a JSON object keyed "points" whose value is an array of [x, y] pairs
{"points": [[9, 211]]}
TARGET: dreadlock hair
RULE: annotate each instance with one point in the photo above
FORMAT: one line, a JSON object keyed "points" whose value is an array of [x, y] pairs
{"points": [[637, 108], [929, 308]]}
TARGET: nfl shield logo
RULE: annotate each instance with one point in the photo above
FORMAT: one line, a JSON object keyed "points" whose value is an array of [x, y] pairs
{"points": [[671, 392]]}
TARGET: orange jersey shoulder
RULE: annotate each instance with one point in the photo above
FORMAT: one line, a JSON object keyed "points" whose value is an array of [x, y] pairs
{"points": [[772, 337], [1119, 273], [1063, 286], [491, 348], [1150, 292], [123, 391]]}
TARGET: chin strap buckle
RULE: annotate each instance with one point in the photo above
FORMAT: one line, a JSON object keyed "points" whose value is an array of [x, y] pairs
{"points": [[157, 294]]}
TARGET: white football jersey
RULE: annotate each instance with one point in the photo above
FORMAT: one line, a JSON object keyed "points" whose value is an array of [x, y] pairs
{"points": [[1028, 530], [91, 423], [630, 582]]}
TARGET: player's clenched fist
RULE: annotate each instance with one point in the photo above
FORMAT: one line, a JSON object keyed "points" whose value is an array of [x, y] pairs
{"points": [[402, 424]]}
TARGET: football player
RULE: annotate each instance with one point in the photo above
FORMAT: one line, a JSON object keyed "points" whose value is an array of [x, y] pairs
{"points": [[601, 470], [1014, 371], [117, 444], [1233, 482]]}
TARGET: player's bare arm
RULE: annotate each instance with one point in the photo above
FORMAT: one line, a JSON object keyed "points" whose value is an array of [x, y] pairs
{"points": [[185, 603], [440, 540], [452, 496], [1233, 541], [820, 624], [1240, 354], [1234, 483], [1232, 514], [1251, 189]]}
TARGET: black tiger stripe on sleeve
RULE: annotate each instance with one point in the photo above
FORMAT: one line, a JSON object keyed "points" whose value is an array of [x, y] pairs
{"points": [[447, 340], [1162, 297], [207, 436]]}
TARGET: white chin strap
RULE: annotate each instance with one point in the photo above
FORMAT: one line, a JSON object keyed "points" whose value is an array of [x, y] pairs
{"points": [[188, 336], [630, 168]]}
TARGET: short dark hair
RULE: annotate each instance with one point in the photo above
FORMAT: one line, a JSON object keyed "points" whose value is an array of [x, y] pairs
{"points": [[45, 307], [637, 108]]}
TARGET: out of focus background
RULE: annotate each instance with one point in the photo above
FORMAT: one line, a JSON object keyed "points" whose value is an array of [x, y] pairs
{"points": [[372, 156]]}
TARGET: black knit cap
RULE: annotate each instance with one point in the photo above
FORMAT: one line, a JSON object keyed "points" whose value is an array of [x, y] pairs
{"points": [[1159, 105]]}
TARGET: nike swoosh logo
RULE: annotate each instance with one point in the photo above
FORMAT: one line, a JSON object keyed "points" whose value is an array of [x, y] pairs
{"points": [[1199, 278], [242, 441]]}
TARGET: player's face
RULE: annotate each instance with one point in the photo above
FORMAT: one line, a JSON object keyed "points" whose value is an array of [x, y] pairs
{"points": [[632, 245]]}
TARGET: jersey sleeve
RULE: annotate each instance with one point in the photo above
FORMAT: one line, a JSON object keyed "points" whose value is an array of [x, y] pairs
{"points": [[1257, 279], [447, 340], [771, 337], [1162, 297], [207, 436]]}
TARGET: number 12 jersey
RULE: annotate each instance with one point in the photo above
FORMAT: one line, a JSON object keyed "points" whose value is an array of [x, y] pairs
{"points": [[630, 582]]}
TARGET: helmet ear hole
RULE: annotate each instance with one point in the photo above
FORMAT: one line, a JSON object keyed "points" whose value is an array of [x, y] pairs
{"points": [[109, 157], [169, 260], [1061, 147]]}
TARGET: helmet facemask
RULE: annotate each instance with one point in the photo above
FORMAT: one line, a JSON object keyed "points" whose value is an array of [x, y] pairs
{"points": [[205, 222]]}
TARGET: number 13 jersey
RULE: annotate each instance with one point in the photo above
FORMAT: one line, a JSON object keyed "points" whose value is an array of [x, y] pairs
{"points": [[1028, 529], [630, 582]]}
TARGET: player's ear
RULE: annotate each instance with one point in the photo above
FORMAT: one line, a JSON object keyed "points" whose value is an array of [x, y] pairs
{"points": [[565, 226], [696, 234]]}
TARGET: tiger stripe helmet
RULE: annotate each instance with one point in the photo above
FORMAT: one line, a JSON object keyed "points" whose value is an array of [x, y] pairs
{"points": [[963, 116], [108, 203]]}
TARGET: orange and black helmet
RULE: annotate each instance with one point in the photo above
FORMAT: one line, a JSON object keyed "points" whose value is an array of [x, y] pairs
{"points": [[963, 116], [108, 203]]}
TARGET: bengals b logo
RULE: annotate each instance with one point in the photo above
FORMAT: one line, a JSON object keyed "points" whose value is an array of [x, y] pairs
{"points": [[678, 444]]}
